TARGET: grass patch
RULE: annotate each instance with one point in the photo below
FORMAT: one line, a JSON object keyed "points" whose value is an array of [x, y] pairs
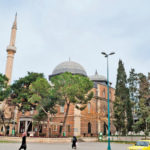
{"points": [[5, 141]]}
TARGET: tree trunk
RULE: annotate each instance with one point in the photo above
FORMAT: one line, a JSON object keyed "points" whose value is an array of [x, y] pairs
{"points": [[38, 130], [48, 121], [65, 118]]}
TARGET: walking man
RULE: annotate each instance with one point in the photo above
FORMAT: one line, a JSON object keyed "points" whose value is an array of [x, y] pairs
{"points": [[74, 141], [23, 145]]}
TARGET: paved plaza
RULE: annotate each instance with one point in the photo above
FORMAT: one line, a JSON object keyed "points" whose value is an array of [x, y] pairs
{"points": [[64, 146]]}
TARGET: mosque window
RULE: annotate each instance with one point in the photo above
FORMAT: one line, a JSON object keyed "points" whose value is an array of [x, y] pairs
{"points": [[54, 127], [89, 127], [110, 94], [98, 90], [60, 129], [103, 93], [89, 107], [69, 129], [62, 109]]}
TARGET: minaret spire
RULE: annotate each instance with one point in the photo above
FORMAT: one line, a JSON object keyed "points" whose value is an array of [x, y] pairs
{"points": [[13, 32], [11, 50], [96, 73], [15, 22]]}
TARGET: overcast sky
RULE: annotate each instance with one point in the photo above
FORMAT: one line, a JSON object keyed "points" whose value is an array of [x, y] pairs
{"points": [[51, 31]]}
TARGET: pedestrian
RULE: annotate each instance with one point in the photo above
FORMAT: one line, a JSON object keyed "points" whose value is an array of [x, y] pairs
{"points": [[74, 141], [23, 145]]}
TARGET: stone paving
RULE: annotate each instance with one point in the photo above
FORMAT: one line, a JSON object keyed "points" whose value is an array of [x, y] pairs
{"points": [[64, 146]]}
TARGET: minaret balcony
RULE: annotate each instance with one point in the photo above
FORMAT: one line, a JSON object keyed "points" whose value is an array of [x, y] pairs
{"points": [[11, 48]]}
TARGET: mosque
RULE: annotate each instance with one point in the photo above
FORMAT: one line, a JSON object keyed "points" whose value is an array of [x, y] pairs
{"points": [[89, 122]]}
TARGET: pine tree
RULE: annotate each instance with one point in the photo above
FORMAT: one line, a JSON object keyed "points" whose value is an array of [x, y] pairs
{"points": [[129, 113], [133, 89], [124, 120], [119, 114], [143, 112]]}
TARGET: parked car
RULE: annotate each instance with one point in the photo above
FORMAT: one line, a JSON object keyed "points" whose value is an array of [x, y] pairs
{"points": [[141, 145]]}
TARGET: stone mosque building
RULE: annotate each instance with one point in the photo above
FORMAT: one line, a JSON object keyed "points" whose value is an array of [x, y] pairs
{"points": [[89, 122]]}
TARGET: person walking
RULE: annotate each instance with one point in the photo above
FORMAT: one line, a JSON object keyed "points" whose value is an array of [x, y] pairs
{"points": [[74, 141], [23, 145]]}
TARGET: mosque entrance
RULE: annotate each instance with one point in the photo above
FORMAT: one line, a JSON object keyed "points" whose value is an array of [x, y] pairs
{"points": [[25, 125], [105, 129]]}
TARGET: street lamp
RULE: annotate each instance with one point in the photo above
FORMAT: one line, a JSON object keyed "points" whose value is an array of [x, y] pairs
{"points": [[107, 55]]}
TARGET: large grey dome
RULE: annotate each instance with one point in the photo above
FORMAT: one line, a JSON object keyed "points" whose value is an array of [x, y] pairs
{"points": [[69, 66], [97, 77]]}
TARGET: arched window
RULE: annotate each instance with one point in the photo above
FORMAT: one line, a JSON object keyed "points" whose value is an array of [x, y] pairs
{"points": [[69, 129], [105, 129], [98, 91], [110, 94], [62, 109], [89, 107], [54, 127], [60, 129], [103, 93], [89, 127]]}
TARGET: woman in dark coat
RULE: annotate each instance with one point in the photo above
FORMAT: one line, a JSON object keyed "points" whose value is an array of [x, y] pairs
{"points": [[74, 141], [23, 145]]}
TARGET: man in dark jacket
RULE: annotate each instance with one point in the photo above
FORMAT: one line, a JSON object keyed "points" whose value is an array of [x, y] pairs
{"points": [[23, 145], [74, 141]]}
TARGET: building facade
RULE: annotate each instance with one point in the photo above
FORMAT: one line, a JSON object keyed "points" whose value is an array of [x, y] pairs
{"points": [[89, 122]]}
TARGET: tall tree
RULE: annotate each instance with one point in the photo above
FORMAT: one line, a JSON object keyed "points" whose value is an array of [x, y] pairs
{"points": [[122, 95], [143, 112], [21, 92], [44, 99], [5, 118], [129, 115], [133, 89], [119, 114], [72, 89], [144, 84], [4, 88]]}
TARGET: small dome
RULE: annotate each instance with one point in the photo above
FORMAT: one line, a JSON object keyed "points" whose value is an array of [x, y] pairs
{"points": [[98, 77], [69, 66]]}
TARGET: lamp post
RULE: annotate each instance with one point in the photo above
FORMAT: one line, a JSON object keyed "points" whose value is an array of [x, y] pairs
{"points": [[107, 55]]}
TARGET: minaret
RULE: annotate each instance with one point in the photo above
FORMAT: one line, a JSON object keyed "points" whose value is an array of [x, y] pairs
{"points": [[11, 50]]}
